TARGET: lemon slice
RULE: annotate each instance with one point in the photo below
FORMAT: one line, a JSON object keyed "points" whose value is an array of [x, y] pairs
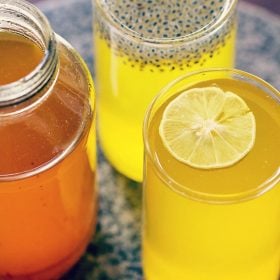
{"points": [[208, 128]]}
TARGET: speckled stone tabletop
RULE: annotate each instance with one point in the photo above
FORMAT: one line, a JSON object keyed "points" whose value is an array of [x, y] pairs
{"points": [[114, 252]]}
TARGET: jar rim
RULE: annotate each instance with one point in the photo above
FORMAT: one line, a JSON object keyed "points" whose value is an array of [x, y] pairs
{"points": [[25, 87]]}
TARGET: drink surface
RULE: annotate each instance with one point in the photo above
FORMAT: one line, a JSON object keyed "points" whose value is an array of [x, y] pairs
{"points": [[200, 240], [48, 218], [18, 57], [130, 72], [263, 159]]}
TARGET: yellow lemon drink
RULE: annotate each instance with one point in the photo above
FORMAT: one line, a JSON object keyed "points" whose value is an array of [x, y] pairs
{"points": [[211, 184], [139, 47]]}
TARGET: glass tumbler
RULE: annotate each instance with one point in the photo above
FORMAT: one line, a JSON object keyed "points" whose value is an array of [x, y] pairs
{"points": [[139, 47], [48, 196], [212, 223]]}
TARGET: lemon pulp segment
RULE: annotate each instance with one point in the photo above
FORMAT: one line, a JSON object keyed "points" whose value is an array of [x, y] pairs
{"points": [[208, 128]]}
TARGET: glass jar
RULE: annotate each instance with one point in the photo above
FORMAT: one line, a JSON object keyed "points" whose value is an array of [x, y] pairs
{"points": [[139, 47], [48, 196]]}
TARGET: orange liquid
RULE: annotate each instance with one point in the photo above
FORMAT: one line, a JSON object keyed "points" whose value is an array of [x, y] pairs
{"points": [[46, 219], [18, 57]]}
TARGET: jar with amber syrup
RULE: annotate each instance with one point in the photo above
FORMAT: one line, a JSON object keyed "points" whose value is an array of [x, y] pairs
{"points": [[48, 196]]}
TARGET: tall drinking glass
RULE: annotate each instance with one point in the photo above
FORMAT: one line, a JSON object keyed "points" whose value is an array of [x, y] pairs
{"points": [[139, 47], [211, 183]]}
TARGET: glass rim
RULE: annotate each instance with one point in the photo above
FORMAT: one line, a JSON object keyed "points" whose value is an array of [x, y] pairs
{"points": [[192, 37], [186, 191]]}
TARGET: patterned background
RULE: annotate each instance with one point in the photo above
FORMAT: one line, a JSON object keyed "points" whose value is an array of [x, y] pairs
{"points": [[114, 252], [273, 5]]}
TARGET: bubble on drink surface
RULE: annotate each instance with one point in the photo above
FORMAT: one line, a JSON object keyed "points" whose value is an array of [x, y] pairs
{"points": [[164, 33]]}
